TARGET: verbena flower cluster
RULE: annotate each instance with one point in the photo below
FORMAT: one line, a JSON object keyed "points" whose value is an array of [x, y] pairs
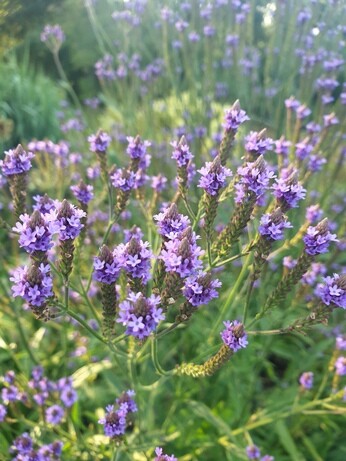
{"points": [[117, 417]]}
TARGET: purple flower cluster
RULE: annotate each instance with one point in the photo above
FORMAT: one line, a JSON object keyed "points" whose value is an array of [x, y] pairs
{"points": [[318, 238], [36, 232], [69, 219], [44, 203], [124, 180], [134, 257], [23, 449], [52, 33], [257, 144], [170, 223], [306, 380], [106, 266], [34, 284], [137, 148], [160, 456], [116, 418], [288, 190], [140, 315], [254, 179], [234, 117], [253, 452], [272, 225], [213, 177], [16, 161], [234, 335], [181, 254], [181, 153], [200, 288], [282, 146], [99, 142], [333, 291], [83, 192], [159, 183]]}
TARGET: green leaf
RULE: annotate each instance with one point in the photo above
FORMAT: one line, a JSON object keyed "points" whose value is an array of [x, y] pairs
{"points": [[287, 441]]}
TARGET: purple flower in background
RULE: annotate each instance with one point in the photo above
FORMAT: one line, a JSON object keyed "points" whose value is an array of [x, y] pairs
{"points": [[333, 291], [34, 284], [209, 31], [272, 225], [36, 231], [99, 142], [282, 146], [10, 393], [257, 144], [234, 117], [137, 148], [340, 366], [313, 213], [200, 288], [16, 161], [302, 111], [135, 258], [44, 203], [341, 343], [306, 380], [254, 179], [170, 223], [234, 335], [316, 163], [69, 218], [124, 180], [329, 120], [310, 277], [68, 396], [318, 238], [54, 414], [159, 183], [303, 149], [53, 36], [160, 456], [267, 458], [253, 452], [193, 37], [83, 192], [22, 444], [135, 232], [288, 190], [181, 153], [292, 103], [140, 315], [106, 266], [3, 412], [104, 69], [213, 176], [181, 254]]}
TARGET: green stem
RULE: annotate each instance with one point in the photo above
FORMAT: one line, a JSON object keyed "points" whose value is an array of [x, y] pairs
{"points": [[155, 359]]}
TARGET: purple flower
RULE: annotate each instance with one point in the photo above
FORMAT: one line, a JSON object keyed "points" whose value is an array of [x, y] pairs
{"points": [[282, 146], [303, 149], [54, 414], [306, 380], [137, 148], [253, 452], [83, 192], [330, 119], [254, 179], [272, 225], [318, 238], [44, 203], [193, 37], [114, 421], [133, 232], [170, 223], [234, 117], [159, 183], [10, 393], [99, 142], [34, 284], [340, 366], [36, 232], [160, 456], [257, 144], [200, 288], [69, 219], [292, 103], [22, 444], [16, 161], [302, 111], [310, 277], [3, 412], [267, 458], [53, 36], [126, 397], [68, 396], [313, 213], [288, 190], [213, 176], [341, 343], [106, 266], [181, 152], [333, 291], [140, 315], [135, 258], [234, 335], [316, 163], [124, 180], [181, 254]]}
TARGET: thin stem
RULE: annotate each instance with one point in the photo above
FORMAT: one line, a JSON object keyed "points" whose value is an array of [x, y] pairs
{"points": [[63, 76], [155, 359]]}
